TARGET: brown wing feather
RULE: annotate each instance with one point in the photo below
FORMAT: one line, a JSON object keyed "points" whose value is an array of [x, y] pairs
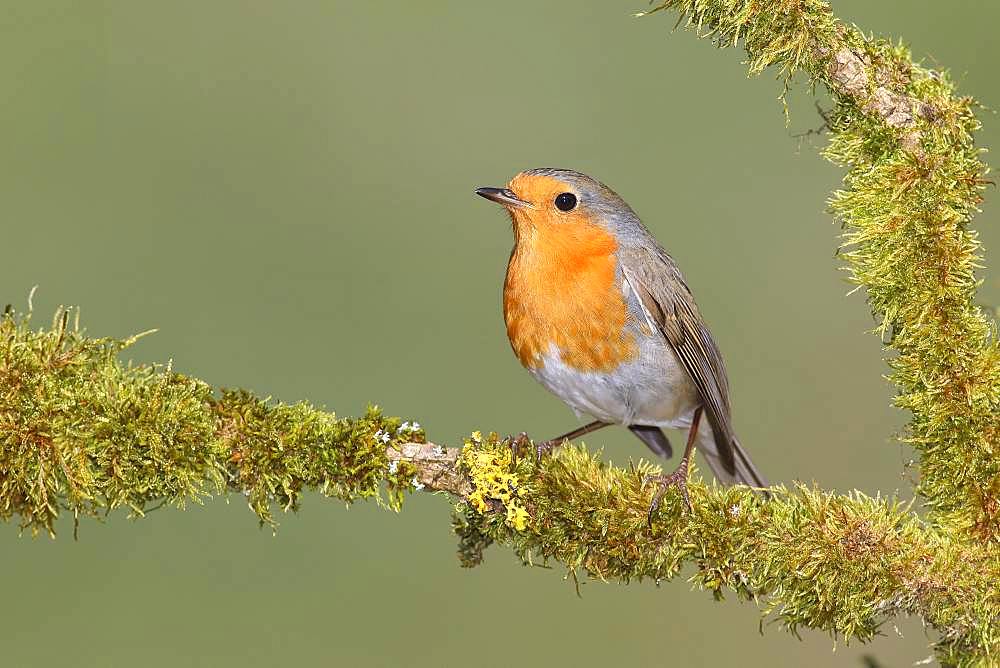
{"points": [[662, 290]]}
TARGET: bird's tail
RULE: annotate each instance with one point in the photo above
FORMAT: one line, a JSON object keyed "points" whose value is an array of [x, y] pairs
{"points": [[745, 472]]}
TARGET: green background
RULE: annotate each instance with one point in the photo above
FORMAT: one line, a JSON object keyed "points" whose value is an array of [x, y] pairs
{"points": [[284, 189]]}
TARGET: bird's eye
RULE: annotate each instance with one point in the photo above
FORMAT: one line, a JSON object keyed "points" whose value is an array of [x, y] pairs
{"points": [[565, 201]]}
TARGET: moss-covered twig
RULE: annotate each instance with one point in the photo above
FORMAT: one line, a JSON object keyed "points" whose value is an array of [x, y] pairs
{"points": [[82, 432]]}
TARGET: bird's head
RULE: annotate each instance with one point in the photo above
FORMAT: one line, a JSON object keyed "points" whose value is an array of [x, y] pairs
{"points": [[562, 201]]}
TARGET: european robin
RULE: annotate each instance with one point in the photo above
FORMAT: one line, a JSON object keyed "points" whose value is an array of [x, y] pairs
{"points": [[599, 313]]}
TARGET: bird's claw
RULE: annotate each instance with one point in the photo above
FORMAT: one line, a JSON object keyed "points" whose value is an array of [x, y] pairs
{"points": [[516, 443], [521, 441], [543, 448], [676, 479]]}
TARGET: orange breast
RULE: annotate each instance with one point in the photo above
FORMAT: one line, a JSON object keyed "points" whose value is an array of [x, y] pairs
{"points": [[561, 290]]}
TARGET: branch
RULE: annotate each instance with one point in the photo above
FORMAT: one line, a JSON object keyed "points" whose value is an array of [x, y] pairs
{"points": [[83, 433]]}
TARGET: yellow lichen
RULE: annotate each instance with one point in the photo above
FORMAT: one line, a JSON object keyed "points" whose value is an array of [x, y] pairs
{"points": [[489, 467], [517, 517]]}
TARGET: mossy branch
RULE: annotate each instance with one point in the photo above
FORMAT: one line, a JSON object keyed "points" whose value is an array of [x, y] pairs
{"points": [[83, 433]]}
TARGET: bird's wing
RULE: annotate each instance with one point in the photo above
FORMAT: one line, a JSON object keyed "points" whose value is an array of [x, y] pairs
{"points": [[667, 301]]}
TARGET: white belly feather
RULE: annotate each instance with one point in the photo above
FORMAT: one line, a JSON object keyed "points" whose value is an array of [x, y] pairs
{"points": [[651, 389]]}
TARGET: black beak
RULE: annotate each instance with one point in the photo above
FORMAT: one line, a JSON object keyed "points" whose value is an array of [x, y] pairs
{"points": [[502, 196]]}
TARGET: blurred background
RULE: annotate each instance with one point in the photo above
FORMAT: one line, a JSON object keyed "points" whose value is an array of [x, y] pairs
{"points": [[285, 191]]}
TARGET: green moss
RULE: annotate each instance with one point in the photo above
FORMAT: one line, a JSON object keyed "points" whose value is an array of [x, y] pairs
{"points": [[80, 431], [780, 34], [84, 433], [473, 537], [840, 563]]}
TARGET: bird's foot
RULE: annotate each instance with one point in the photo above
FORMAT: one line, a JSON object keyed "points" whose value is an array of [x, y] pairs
{"points": [[521, 442], [664, 482], [517, 443], [545, 447]]}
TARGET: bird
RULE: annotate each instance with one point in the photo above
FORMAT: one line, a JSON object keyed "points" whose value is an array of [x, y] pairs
{"points": [[600, 314]]}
